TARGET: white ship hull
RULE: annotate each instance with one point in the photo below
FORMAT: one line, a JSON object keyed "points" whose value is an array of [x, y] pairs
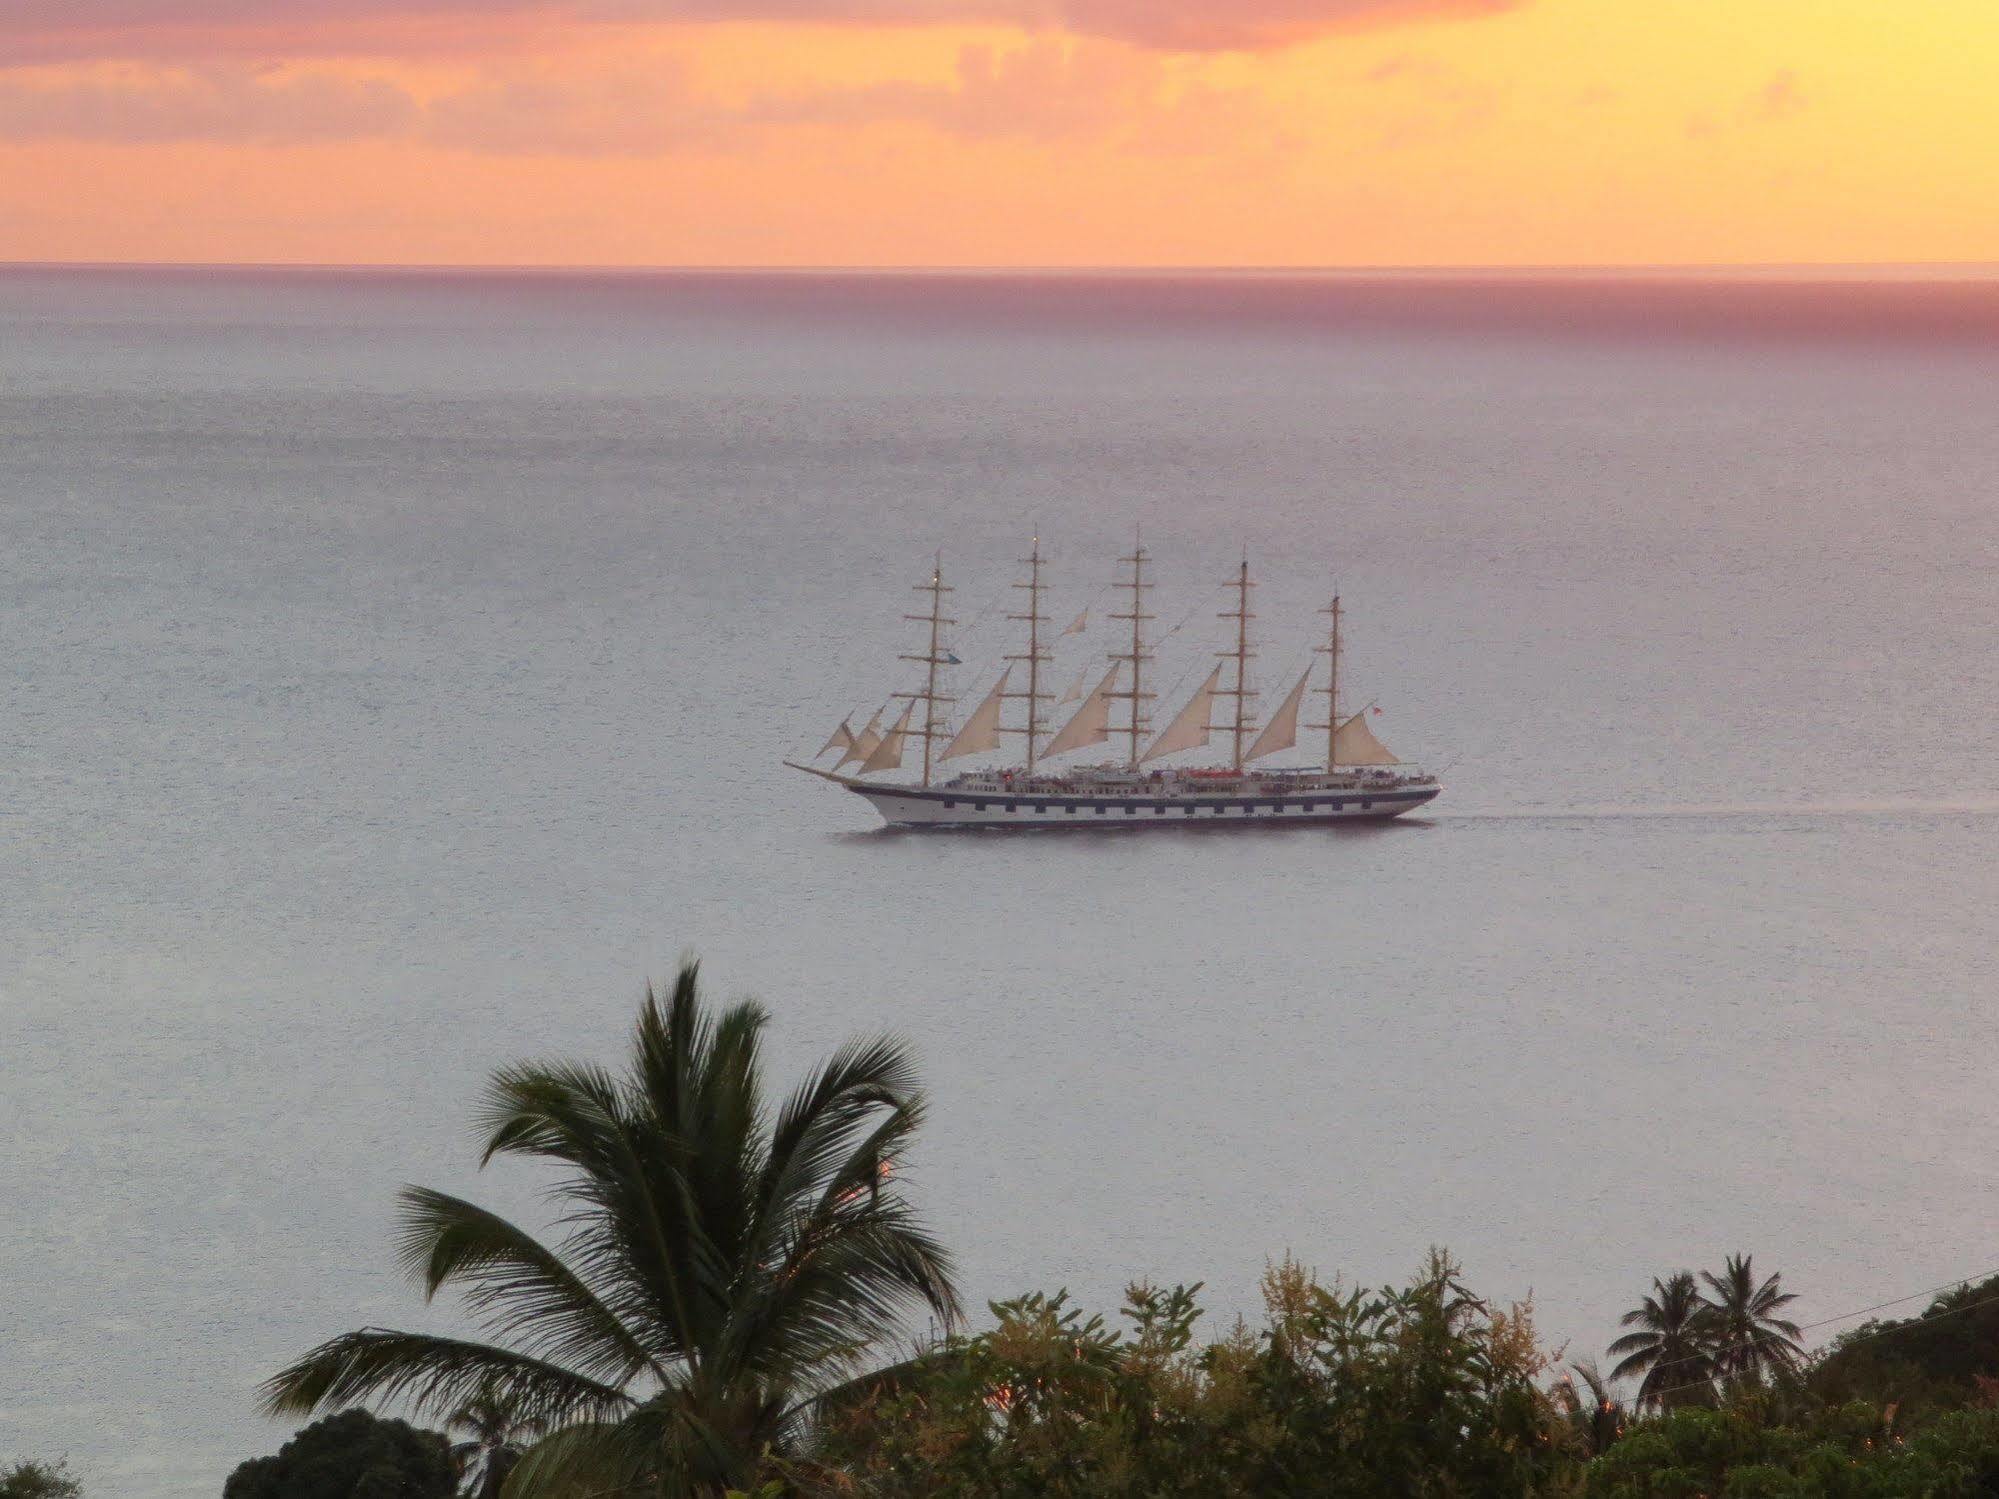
{"points": [[942, 809]]}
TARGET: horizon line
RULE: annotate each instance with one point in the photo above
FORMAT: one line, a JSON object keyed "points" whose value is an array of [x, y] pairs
{"points": [[1910, 270]]}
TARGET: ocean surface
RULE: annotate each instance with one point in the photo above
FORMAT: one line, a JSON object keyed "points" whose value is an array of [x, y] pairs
{"points": [[395, 671]]}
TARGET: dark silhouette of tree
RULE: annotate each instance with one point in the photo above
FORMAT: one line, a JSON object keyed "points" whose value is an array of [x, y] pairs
{"points": [[351, 1456], [1944, 1359], [31, 1480], [1596, 1418], [724, 1267], [1743, 1330], [1668, 1350], [492, 1439]]}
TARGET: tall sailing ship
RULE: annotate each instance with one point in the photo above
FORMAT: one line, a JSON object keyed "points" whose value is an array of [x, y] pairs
{"points": [[1359, 779]]}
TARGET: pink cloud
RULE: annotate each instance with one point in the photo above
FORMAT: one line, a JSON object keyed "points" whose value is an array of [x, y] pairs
{"points": [[1044, 89], [231, 104], [1204, 25], [55, 30], [1047, 89], [517, 112]]}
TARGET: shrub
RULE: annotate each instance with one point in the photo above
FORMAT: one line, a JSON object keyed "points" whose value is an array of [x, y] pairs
{"points": [[39, 1481], [1422, 1391], [352, 1455]]}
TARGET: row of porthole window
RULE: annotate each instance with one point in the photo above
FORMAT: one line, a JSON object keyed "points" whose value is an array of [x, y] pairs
{"points": [[1159, 809]]}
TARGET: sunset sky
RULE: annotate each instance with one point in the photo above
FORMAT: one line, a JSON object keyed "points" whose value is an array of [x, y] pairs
{"points": [[1000, 132]]}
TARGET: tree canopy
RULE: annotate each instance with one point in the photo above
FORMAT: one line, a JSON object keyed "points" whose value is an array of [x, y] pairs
{"points": [[353, 1455], [1425, 1390], [710, 1316], [33, 1480], [1948, 1356]]}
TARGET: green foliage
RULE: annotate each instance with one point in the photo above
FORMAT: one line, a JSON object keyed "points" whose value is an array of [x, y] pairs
{"points": [[705, 1325], [351, 1456], [1844, 1454], [1595, 1417], [1687, 1452], [1944, 1359], [1422, 1391], [724, 1266], [30, 1480]]}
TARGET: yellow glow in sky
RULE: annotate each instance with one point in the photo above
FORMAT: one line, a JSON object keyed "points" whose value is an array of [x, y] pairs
{"points": [[1354, 132]]}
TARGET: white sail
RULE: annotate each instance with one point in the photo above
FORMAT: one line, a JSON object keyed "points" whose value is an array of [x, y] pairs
{"points": [[982, 730], [1081, 623], [888, 754], [1190, 729], [1075, 692], [1091, 723], [1354, 744], [842, 740], [864, 742], [1282, 730]]}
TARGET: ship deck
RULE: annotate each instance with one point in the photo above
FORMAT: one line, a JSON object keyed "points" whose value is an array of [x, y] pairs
{"points": [[973, 802]]}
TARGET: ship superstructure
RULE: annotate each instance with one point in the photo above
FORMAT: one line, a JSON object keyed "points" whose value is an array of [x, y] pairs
{"points": [[1359, 779]]}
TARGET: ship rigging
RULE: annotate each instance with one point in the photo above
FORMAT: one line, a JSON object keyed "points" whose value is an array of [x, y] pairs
{"points": [[1361, 779]]}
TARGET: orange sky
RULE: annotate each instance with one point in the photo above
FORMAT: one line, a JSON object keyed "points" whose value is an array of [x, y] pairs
{"points": [[1000, 132]]}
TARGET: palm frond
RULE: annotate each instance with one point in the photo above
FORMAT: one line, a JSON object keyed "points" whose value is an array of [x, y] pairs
{"points": [[434, 1375], [815, 1122], [586, 1458], [1635, 1342], [1637, 1364], [873, 1384], [559, 1111], [863, 1170], [513, 1281], [848, 1286], [670, 1048]]}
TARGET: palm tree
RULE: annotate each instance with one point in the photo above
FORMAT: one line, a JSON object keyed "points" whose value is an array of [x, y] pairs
{"points": [[1594, 1416], [1670, 1348], [495, 1438], [1747, 1335], [721, 1268]]}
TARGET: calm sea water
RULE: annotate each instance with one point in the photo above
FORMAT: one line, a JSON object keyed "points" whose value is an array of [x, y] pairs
{"points": [[394, 672]]}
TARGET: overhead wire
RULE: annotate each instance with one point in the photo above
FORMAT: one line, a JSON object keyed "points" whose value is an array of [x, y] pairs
{"points": [[1879, 1332], [1955, 1285]]}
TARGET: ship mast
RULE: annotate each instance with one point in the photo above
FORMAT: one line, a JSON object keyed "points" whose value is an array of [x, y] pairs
{"points": [[1036, 656], [934, 658], [1137, 655], [1331, 651], [1241, 655]]}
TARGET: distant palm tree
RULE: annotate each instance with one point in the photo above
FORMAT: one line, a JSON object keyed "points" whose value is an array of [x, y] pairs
{"points": [[1670, 1348], [495, 1437], [1743, 1328], [722, 1268], [1594, 1416]]}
